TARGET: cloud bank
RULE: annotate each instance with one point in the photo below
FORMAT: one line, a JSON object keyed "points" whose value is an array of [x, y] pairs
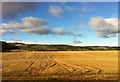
{"points": [[30, 25], [105, 27], [36, 26]]}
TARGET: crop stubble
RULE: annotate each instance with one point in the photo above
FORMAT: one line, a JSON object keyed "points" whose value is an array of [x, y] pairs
{"points": [[65, 65]]}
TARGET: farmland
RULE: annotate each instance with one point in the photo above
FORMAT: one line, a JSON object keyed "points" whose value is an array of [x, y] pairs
{"points": [[61, 65]]}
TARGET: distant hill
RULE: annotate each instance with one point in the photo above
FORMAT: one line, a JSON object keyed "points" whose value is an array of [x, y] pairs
{"points": [[8, 46], [39, 47]]}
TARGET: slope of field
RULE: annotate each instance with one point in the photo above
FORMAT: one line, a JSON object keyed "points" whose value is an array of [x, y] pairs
{"points": [[62, 65]]}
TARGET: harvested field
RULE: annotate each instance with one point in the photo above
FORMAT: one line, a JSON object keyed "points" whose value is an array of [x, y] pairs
{"points": [[61, 65]]}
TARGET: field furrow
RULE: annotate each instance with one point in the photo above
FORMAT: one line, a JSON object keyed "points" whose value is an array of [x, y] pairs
{"points": [[60, 65]]}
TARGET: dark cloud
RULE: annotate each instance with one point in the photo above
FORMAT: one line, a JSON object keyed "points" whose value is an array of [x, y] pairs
{"points": [[13, 9]]}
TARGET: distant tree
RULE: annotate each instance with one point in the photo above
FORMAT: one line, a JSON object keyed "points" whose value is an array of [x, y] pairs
{"points": [[7, 47]]}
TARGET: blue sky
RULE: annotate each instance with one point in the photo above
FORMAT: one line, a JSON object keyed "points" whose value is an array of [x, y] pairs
{"points": [[63, 23]]}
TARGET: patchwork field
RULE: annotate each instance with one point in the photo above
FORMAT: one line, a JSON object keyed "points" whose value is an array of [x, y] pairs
{"points": [[62, 65]]}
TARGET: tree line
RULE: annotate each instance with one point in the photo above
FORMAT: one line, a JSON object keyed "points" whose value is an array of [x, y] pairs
{"points": [[6, 47]]}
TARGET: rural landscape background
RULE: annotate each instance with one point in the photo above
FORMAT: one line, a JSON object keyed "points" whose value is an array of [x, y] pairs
{"points": [[60, 41]]}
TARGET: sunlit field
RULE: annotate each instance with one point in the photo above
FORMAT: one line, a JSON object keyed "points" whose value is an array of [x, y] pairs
{"points": [[61, 65]]}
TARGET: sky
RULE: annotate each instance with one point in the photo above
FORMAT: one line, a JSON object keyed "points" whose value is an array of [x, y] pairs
{"points": [[72, 23]]}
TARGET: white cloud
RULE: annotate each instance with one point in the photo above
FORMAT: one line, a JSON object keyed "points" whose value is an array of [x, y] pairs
{"points": [[76, 34], [36, 26], [81, 8], [105, 27], [79, 26], [60, 31], [7, 31], [56, 11], [30, 25], [22, 41]]}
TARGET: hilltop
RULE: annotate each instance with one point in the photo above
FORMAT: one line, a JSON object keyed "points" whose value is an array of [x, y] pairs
{"points": [[45, 47]]}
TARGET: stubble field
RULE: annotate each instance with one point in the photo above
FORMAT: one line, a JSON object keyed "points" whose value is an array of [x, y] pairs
{"points": [[61, 65]]}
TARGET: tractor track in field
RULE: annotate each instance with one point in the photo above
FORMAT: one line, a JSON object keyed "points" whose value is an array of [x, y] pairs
{"points": [[16, 63], [77, 68], [45, 64], [48, 61]]}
